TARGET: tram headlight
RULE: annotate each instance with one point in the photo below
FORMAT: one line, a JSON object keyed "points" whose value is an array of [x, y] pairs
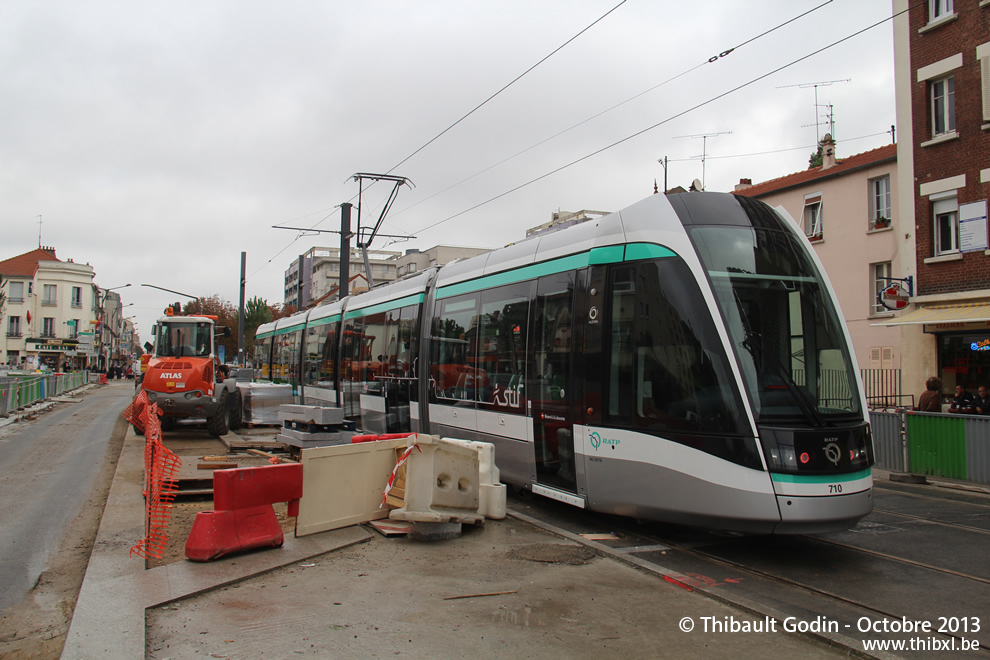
{"points": [[788, 457]]}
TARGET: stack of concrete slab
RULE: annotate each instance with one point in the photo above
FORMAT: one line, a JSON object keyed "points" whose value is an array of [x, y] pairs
{"points": [[260, 401], [314, 426]]}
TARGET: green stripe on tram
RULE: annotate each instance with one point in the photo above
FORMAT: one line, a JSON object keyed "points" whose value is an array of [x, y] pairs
{"points": [[291, 328], [333, 318], [819, 478], [414, 299], [264, 335], [595, 257]]}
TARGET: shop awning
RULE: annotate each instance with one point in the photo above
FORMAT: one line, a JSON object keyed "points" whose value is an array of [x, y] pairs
{"points": [[942, 314]]}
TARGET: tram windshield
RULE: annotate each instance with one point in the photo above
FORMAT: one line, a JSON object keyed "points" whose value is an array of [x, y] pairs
{"points": [[784, 327]]}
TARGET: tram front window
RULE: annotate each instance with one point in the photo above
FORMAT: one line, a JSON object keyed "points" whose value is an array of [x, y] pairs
{"points": [[785, 330]]}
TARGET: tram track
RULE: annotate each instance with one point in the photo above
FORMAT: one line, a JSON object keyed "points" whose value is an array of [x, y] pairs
{"points": [[658, 550], [929, 521], [817, 591]]}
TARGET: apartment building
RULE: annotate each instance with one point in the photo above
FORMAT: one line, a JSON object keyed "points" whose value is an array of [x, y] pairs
{"points": [[942, 70]]}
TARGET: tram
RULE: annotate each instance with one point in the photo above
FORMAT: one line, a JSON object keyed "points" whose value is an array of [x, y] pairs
{"points": [[682, 360]]}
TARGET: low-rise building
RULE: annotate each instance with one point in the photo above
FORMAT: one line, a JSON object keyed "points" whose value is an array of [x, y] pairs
{"points": [[49, 303]]}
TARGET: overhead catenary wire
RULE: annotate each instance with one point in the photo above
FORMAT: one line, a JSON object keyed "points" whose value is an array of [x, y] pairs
{"points": [[471, 112], [506, 86], [774, 151], [710, 60], [665, 121]]}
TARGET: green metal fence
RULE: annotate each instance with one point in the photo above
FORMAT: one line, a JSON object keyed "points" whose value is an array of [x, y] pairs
{"points": [[19, 391], [937, 445]]}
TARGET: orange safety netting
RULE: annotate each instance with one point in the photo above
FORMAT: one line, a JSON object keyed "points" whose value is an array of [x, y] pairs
{"points": [[161, 468]]}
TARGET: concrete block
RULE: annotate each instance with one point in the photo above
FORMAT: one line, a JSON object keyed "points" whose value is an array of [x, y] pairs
{"points": [[430, 531], [342, 438], [310, 414]]}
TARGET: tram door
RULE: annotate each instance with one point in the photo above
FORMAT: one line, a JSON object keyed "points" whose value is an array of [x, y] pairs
{"points": [[551, 380]]}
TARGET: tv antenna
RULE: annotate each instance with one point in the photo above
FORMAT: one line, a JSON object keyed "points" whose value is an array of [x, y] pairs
{"points": [[829, 119], [704, 149], [816, 85]]}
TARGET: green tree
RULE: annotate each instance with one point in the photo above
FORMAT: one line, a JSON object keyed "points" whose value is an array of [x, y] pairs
{"points": [[226, 314], [257, 312], [817, 157]]}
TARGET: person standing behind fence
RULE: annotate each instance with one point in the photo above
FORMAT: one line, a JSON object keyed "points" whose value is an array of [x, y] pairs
{"points": [[931, 399], [963, 403], [982, 401]]}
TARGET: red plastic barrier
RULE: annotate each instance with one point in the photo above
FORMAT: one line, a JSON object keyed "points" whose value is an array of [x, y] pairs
{"points": [[375, 438], [103, 379], [243, 517]]}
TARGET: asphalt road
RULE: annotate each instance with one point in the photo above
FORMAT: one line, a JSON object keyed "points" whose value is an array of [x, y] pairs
{"points": [[48, 469]]}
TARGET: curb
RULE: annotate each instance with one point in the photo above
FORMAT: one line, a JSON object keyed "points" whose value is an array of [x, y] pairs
{"points": [[109, 617]]}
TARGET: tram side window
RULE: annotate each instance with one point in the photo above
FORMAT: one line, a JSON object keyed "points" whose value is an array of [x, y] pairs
{"points": [[286, 359], [262, 356], [668, 370], [320, 356], [502, 352], [453, 355], [552, 341], [353, 361]]}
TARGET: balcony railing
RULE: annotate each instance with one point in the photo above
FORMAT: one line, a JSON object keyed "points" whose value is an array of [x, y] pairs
{"points": [[15, 334], [15, 299]]}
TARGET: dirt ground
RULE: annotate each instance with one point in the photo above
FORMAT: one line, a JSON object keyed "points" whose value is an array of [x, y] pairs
{"points": [[36, 627]]}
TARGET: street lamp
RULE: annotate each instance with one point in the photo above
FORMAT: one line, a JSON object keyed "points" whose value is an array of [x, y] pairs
{"points": [[187, 295]]}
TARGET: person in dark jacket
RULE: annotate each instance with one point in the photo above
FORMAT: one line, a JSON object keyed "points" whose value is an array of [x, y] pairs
{"points": [[931, 399], [982, 400], [963, 402]]}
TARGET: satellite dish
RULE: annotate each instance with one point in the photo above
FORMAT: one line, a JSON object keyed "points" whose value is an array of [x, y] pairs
{"points": [[696, 186]]}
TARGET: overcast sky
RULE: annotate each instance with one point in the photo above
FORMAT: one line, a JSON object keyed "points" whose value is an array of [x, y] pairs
{"points": [[157, 141]]}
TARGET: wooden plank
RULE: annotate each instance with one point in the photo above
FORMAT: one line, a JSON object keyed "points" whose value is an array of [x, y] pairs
{"points": [[215, 466]]}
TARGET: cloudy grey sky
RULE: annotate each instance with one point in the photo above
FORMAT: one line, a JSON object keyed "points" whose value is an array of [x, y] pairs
{"points": [[159, 140]]}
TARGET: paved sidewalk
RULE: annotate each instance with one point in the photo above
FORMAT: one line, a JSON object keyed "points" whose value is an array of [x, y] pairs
{"points": [[352, 593]]}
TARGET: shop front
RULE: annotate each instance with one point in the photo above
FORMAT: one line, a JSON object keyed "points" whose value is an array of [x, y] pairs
{"points": [[959, 337], [963, 354], [50, 354]]}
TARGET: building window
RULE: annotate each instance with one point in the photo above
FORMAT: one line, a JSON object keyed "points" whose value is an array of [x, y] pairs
{"points": [[16, 292], [880, 202], [939, 9], [14, 326], [49, 297], [73, 328], [983, 55], [943, 106], [48, 327], [880, 273], [77, 297], [813, 217], [946, 214]]}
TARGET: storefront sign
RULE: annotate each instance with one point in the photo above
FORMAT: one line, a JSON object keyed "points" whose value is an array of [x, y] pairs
{"points": [[981, 345], [973, 226], [894, 296]]}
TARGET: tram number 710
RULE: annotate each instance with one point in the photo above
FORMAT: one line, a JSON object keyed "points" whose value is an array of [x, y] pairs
{"points": [[835, 488]]}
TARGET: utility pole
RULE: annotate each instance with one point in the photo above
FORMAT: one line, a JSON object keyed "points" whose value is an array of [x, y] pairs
{"points": [[240, 314], [663, 162], [345, 250]]}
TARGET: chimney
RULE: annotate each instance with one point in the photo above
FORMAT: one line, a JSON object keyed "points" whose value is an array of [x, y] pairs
{"points": [[828, 152], [743, 184]]}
